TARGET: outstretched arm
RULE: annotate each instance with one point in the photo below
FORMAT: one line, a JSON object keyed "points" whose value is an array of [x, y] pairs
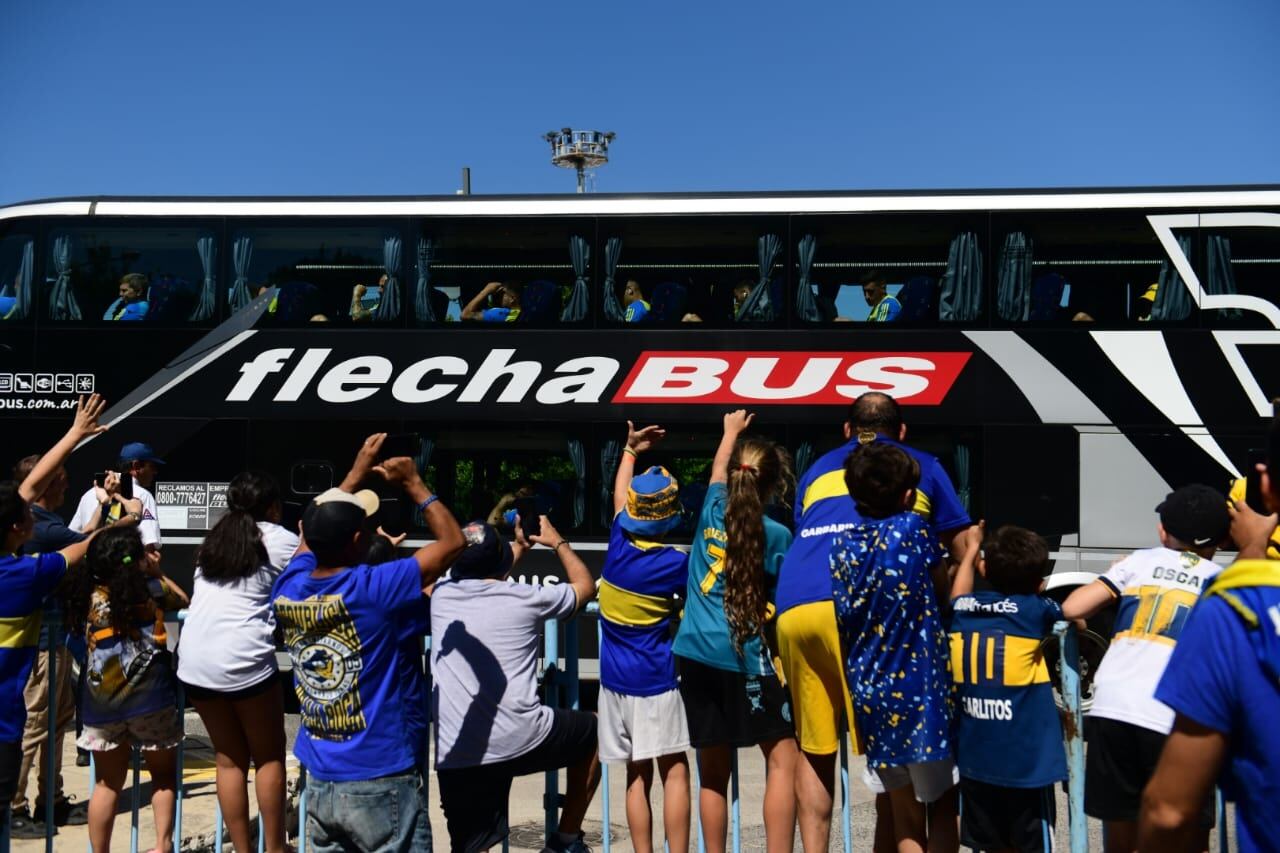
{"points": [[638, 441], [584, 586], [969, 543], [366, 459], [434, 558], [735, 423], [474, 309], [84, 425], [1087, 600], [1171, 804]]}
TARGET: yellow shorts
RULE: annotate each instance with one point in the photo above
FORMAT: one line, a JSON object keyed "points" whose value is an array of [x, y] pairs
{"points": [[814, 668]]}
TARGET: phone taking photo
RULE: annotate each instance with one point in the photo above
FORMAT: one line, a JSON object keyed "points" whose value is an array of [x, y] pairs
{"points": [[401, 444], [1253, 483], [527, 512], [124, 490]]}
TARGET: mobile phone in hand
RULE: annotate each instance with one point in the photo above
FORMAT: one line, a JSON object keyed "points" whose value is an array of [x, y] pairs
{"points": [[400, 444], [125, 489], [530, 523], [1253, 483]]}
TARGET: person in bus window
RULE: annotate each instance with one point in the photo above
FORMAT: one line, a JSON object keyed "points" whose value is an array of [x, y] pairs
{"points": [[1147, 301], [506, 311], [132, 303], [633, 299], [884, 308], [741, 291], [364, 304]]}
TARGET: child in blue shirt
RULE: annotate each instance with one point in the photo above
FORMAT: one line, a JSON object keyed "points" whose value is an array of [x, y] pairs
{"points": [[641, 715], [883, 575], [1009, 740]]}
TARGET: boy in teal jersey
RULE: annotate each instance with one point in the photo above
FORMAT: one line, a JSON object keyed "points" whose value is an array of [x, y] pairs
{"points": [[1009, 740]]}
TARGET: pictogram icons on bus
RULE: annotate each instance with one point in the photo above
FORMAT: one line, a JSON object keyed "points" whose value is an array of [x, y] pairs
{"points": [[23, 383], [44, 383], [64, 383], [6, 383], [84, 383]]}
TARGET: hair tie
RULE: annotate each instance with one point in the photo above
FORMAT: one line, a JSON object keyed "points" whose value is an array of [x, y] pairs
{"points": [[746, 467], [127, 560]]}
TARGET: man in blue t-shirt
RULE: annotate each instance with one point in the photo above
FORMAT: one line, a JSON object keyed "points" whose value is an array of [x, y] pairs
{"points": [[343, 623], [633, 298], [506, 311], [1223, 681], [808, 643]]}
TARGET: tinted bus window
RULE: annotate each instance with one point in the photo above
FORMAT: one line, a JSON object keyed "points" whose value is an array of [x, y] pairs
{"points": [[716, 271], [324, 273], [889, 268], [1241, 261], [502, 272], [17, 277], [159, 275]]}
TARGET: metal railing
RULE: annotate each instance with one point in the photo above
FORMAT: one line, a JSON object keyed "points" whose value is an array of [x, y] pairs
{"points": [[562, 685]]}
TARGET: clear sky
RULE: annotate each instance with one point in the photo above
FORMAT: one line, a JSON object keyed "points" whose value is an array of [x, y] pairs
{"points": [[279, 97]]}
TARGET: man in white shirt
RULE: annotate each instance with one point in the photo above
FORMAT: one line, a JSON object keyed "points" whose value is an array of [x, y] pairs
{"points": [[139, 461]]}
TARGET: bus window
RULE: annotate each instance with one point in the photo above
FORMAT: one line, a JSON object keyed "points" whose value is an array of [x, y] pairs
{"points": [[716, 271], [1241, 261], [900, 269], [498, 273], [1079, 267], [160, 275], [323, 274], [17, 269]]}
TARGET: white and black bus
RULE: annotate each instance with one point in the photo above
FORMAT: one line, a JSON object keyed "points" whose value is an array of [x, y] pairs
{"points": [[1069, 355]]}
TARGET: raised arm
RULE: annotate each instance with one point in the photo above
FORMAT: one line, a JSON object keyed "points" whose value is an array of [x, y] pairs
{"points": [[366, 459], [735, 423], [434, 558], [584, 586], [1183, 780], [969, 543], [1087, 600], [84, 425], [474, 309], [638, 441]]}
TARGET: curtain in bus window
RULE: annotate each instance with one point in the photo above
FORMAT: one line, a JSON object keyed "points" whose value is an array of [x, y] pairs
{"points": [[1222, 281], [758, 306], [389, 305], [804, 458], [1173, 301], [62, 302], [422, 309], [22, 296], [963, 488], [578, 456], [608, 470], [207, 250], [961, 297], [575, 310], [241, 254], [612, 307], [806, 305], [1013, 291]]}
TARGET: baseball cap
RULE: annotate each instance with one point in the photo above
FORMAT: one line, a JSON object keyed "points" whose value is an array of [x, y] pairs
{"points": [[335, 517], [487, 554], [653, 503], [1196, 514], [137, 451]]}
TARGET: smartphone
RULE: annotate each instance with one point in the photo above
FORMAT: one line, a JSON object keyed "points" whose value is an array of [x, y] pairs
{"points": [[126, 484], [527, 510], [1253, 483], [391, 516], [401, 444]]}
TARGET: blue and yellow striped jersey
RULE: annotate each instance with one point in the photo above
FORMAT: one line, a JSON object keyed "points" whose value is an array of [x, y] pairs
{"points": [[24, 583]]}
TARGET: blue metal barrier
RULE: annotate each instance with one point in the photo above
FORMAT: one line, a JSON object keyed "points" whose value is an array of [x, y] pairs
{"points": [[1069, 664]]}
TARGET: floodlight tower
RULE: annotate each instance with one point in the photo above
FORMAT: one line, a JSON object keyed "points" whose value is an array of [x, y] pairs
{"points": [[579, 149]]}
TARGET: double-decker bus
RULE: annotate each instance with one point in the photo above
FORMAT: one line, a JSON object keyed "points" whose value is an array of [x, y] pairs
{"points": [[1070, 356]]}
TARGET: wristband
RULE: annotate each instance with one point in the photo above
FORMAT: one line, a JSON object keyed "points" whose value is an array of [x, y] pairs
{"points": [[134, 516], [422, 507], [632, 452], [558, 544]]}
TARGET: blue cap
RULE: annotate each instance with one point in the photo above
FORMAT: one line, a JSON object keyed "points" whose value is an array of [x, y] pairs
{"points": [[137, 451]]}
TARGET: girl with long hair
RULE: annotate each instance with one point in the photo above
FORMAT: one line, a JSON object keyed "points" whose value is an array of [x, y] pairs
{"points": [[731, 691], [226, 655], [118, 599]]}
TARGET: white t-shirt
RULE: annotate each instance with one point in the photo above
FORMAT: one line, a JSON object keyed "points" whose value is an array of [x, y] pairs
{"points": [[484, 656], [148, 528], [1157, 588], [281, 544], [226, 641]]}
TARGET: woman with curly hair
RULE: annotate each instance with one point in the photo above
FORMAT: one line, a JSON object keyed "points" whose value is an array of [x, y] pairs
{"points": [[731, 692], [118, 599]]}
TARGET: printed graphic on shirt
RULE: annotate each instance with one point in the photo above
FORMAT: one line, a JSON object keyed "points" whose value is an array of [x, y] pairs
{"points": [[326, 652]]}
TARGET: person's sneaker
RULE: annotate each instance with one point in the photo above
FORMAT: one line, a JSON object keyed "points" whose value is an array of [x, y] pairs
{"points": [[577, 845], [66, 812], [22, 826]]}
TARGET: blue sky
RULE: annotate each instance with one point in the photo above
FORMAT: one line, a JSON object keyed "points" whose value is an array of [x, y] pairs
{"points": [[278, 97]]}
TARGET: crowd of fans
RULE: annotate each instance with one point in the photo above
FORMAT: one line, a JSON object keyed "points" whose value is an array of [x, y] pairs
{"points": [[888, 611]]}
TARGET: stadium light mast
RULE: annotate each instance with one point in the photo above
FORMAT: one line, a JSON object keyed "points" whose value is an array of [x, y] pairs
{"points": [[579, 150]]}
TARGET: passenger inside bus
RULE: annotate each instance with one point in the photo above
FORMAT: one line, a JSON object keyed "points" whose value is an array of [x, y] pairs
{"points": [[634, 301], [507, 296], [875, 290], [131, 305], [365, 300]]}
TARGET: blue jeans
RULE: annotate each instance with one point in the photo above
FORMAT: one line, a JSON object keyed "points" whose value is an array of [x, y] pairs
{"points": [[383, 815]]}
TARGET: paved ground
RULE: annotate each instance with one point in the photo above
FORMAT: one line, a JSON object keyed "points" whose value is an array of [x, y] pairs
{"points": [[526, 807]]}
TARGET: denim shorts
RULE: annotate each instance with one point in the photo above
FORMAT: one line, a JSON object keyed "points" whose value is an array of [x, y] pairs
{"points": [[383, 815]]}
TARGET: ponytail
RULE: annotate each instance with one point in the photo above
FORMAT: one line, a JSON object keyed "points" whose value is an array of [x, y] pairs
{"points": [[115, 560], [233, 549], [758, 470]]}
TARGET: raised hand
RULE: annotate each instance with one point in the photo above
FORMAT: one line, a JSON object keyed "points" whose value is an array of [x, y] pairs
{"points": [[547, 535], [399, 470], [364, 462], [969, 542], [395, 540], [737, 421], [86, 418], [638, 441]]}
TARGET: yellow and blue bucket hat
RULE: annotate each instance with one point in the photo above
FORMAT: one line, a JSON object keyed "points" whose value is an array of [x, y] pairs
{"points": [[653, 503]]}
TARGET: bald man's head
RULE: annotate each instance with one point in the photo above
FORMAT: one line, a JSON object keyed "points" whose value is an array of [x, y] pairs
{"points": [[874, 413]]}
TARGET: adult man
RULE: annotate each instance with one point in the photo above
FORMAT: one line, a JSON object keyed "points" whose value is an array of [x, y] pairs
{"points": [[808, 643], [139, 461], [1223, 682], [884, 308], [633, 299], [50, 534], [506, 311], [132, 303]]}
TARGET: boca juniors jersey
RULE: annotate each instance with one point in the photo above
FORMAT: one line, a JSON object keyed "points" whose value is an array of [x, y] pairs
{"points": [[1010, 733]]}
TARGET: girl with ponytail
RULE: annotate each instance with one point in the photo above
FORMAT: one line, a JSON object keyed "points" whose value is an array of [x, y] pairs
{"points": [[226, 655], [731, 692]]}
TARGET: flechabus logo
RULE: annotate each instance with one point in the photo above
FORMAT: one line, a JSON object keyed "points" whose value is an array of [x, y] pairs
{"points": [[809, 378]]}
